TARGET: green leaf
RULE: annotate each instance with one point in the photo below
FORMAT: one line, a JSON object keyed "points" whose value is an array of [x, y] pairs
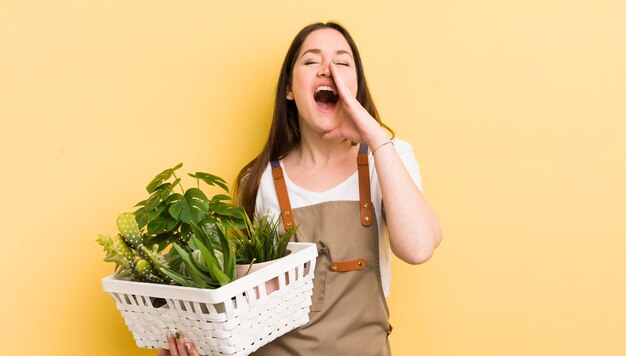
{"points": [[167, 191], [197, 276], [222, 209], [227, 251], [209, 258], [157, 225], [221, 277], [141, 216], [153, 201], [162, 240], [173, 198], [159, 194], [199, 199], [141, 203], [220, 197], [161, 177], [197, 257], [260, 240], [209, 220], [211, 179], [183, 281], [185, 231], [162, 187], [193, 207], [199, 236], [183, 211], [171, 224]]}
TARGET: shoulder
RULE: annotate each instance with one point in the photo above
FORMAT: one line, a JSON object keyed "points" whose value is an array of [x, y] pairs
{"points": [[266, 200]]}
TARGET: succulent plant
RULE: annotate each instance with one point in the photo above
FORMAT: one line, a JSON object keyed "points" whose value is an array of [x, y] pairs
{"points": [[129, 229], [261, 241], [128, 264]]}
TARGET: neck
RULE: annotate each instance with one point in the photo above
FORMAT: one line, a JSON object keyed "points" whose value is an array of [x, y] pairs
{"points": [[315, 151]]}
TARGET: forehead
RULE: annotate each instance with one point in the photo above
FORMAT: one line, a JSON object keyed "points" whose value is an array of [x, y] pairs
{"points": [[326, 40]]}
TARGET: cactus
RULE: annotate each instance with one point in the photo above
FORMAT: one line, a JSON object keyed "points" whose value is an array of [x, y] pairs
{"points": [[123, 248], [131, 237], [117, 253], [146, 271], [129, 229], [143, 267]]}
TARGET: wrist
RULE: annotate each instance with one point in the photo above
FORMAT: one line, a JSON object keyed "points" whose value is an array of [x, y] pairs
{"points": [[378, 140], [376, 148]]}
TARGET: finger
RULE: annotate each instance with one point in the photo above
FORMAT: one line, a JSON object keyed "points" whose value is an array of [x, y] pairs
{"points": [[180, 342], [344, 92], [191, 348], [164, 352], [171, 342]]}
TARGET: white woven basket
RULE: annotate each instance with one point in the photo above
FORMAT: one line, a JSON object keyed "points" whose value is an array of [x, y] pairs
{"points": [[235, 319]]}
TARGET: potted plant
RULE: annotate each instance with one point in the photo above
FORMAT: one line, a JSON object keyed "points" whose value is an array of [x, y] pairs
{"points": [[176, 238], [260, 243], [175, 262]]}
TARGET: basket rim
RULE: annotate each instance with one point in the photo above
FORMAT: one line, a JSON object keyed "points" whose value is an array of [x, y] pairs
{"points": [[302, 252]]}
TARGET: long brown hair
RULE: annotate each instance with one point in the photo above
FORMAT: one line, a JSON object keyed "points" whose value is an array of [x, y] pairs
{"points": [[285, 131]]}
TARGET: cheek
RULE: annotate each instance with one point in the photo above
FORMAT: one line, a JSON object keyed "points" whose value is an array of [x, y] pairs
{"points": [[298, 83]]}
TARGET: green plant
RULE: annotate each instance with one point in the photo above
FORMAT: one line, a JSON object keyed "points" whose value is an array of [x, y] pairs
{"points": [[260, 241], [177, 238], [128, 263]]}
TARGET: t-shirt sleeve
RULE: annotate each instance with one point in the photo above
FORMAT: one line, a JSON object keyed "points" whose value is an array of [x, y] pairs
{"points": [[266, 199], [405, 151]]}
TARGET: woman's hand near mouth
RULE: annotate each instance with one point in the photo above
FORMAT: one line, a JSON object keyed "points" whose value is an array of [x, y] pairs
{"points": [[357, 125]]}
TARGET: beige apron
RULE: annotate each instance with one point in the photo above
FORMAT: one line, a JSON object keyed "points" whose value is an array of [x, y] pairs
{"points": [[349, 314]]}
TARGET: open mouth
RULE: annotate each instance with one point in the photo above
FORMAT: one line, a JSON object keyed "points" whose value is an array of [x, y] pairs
{"points": [[326, 97]]}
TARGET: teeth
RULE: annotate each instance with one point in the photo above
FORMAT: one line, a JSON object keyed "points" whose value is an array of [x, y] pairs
{"points": [[324, 87]]}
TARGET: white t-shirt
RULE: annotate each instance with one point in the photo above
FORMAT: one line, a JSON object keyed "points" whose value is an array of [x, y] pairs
{"points": [[348, 190]]}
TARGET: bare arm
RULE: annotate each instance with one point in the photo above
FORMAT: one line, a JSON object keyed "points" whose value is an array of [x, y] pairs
{"points": [[414, 230]]}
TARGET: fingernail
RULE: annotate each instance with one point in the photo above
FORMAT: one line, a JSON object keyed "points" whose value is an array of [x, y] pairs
{"points": [[169, 334], [177, 335], [188, 346]]}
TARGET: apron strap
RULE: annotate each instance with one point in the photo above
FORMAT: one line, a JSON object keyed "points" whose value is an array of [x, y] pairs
{"points": [[283, 197], [365, 198]]}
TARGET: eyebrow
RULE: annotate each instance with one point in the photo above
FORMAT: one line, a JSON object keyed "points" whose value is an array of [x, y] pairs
{"points": [[318, 51]]}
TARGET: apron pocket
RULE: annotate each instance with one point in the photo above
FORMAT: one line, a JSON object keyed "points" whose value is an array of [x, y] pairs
{"points": [[319, 282]]}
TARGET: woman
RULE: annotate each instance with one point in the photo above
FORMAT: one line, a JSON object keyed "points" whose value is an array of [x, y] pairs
{"points": [[330, 167]]}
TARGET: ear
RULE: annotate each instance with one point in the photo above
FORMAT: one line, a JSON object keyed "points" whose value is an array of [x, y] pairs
{"points": [[289, 95]]}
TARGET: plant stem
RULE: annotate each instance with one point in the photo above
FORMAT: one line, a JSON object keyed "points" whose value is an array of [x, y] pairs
{"points": [[180, 184]]}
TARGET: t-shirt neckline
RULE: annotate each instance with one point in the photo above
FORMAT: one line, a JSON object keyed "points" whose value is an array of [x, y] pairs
{"points": [[301, 190]]}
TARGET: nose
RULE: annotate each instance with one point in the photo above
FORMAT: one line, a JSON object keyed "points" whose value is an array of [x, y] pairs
{"points": [[324, 70]]}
